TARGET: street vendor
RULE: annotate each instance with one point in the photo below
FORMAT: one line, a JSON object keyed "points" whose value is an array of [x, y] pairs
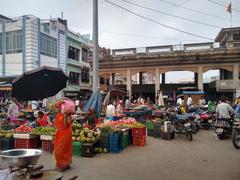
{"points": [[42, 119], [63, 138], [13, 110], [110, 112], [119, 108]]}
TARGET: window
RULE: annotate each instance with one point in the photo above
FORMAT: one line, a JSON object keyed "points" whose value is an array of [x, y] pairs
{"points": [[14, 41], [85, 75], [73, 53], [73, 78], [84, 55], [48, 45], [236, 37]]}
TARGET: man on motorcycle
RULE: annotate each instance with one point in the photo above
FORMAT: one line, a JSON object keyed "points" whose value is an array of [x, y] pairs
{"points": [[224, 110]]}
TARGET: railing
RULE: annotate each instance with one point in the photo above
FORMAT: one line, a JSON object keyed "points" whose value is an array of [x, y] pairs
{"points": [[165, 49]]}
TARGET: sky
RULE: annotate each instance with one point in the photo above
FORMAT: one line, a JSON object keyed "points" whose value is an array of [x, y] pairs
{"points": [[120, 29]]}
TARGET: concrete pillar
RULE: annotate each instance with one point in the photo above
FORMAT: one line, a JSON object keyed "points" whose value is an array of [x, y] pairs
{"points": [[140, 77], [236, 78], [129, 83], [157, 81], [200, 78], [112, 79]]}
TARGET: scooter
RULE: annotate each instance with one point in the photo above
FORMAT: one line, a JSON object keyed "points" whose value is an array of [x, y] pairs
{"points": [[236, 133], [223, 128]]}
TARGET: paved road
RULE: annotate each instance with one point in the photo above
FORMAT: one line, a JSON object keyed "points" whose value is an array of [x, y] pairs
{"points": [[205, 158]]}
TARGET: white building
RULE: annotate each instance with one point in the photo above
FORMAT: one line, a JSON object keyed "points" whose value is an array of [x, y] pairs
{"points": [[28, 42]]}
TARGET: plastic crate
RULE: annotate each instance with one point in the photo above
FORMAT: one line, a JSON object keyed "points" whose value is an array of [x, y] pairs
{"points": [[104, 138], [26, 143], [138, 131], [149, 125], [47, 145], [115, 143], [88, 149], [150, 132], [7, 143], [139, 140], [125, 141], [77, 148]]}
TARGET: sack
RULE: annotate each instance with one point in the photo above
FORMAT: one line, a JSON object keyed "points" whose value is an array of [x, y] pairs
{"points": [[68, 106]]}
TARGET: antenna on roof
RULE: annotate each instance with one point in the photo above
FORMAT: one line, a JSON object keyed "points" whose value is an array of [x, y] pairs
{"points": [[62, 15]]}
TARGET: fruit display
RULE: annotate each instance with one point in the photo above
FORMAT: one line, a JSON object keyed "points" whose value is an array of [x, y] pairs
{"points": [[6, 134], [76, 125], [44, 131], [85, 135], [122, 123], [23, 129]]}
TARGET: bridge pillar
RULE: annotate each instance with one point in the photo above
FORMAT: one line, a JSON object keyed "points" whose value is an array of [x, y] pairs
{"points": [[112, 78], [129, 83], [236, 79], [157, 82], [200, 78]]}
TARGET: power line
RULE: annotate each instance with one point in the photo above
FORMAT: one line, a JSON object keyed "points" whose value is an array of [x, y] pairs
{"points": [[156, 22], [222, 5], [168, 14], [136, 35], [184, 2], [200, 12]]}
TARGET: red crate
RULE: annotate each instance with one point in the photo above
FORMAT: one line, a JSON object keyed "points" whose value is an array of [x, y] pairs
{"points": [[26, 143], [139, 140], [47, 145], [139, 131]]}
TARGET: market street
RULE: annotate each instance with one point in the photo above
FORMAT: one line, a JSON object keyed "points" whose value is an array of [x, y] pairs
{"points": [[205, 158]]}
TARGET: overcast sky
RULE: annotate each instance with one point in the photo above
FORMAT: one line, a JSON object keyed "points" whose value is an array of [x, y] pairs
{"points": [[120, 29]]}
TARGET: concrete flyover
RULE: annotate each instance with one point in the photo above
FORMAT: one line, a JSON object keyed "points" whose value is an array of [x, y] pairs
{"points": [[198, 58]]}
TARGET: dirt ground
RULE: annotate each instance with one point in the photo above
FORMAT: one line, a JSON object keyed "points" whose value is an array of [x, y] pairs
{"points": [[205, 158]]}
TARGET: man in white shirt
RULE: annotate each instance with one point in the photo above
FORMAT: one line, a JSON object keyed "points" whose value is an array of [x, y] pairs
{"points": [[110, 110], [224, 109], [189, 101], [180, 101]]}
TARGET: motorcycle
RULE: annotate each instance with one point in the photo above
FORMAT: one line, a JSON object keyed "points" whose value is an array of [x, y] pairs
{"points": [[182, 125], [223, 128], [236, 133]]}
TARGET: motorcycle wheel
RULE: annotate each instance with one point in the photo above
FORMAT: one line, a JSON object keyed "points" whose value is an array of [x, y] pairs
{"points": [[221, 136], [207, 126], [235, 139], [189, 136], [194, 128]]}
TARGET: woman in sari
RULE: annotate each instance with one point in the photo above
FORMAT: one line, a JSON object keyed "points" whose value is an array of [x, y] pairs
{"points": [[63, 139]]}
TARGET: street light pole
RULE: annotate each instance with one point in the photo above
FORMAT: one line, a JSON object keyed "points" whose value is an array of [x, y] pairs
{"points": [[95, 82]]}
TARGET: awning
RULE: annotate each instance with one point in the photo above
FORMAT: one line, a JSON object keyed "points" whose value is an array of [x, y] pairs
{"points": [[5, 88]]}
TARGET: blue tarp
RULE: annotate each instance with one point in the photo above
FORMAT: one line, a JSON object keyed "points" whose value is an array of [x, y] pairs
{"points": [[94, 102]]}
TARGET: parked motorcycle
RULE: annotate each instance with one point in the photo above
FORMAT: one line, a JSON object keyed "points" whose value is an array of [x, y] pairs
{"points": [[206, 119], [236, 133], [223, 128], [182, 125]]}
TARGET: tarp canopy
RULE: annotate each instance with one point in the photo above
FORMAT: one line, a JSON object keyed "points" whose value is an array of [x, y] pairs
{"points": [[94, 102]]}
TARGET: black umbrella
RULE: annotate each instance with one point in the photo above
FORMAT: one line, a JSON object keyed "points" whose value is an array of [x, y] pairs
{"points": [[39, 83]]}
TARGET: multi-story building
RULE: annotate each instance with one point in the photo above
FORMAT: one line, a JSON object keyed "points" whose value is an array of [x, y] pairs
{"points": [[77, 63], [27, 42]]}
